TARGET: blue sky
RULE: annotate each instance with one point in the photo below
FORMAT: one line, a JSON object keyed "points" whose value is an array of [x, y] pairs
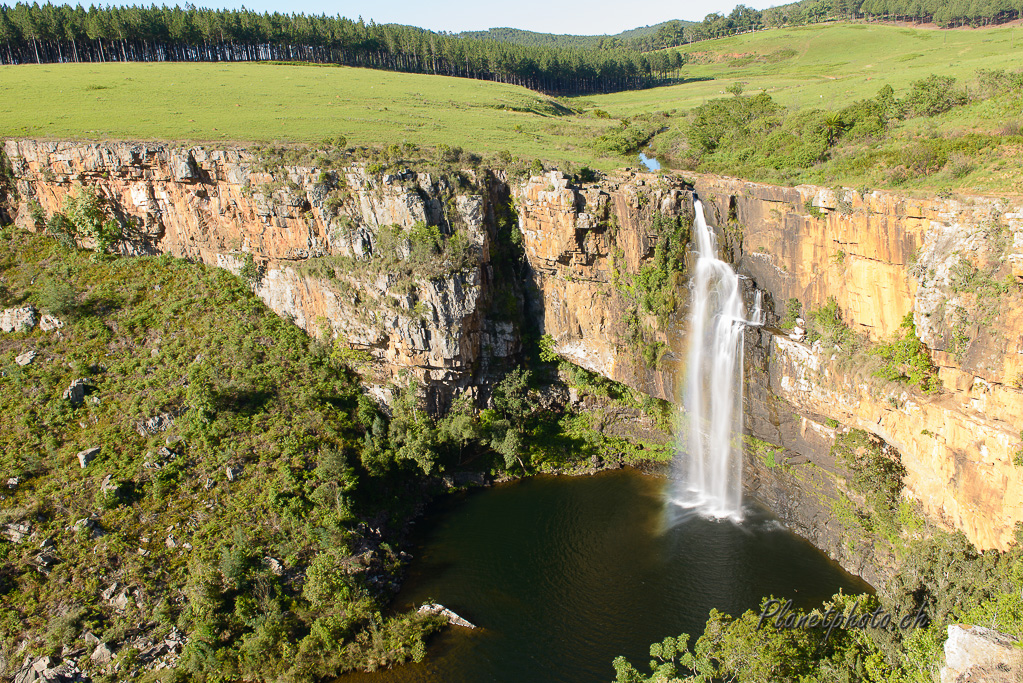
{"points": [[549, 16]]}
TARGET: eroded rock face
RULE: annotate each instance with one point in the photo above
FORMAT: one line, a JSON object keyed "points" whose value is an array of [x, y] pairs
{"points": [[584, 244], [305, 237]]}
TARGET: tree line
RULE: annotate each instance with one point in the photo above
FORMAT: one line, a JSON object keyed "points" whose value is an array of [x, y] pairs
{"points": [[644, 39], [944, 13], [62, 33]]}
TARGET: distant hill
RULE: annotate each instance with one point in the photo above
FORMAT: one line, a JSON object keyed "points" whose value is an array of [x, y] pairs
{"points": [[642, 38]]}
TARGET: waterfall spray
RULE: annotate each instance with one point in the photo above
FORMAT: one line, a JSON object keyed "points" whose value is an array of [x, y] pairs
{"points": [[709, 475]]}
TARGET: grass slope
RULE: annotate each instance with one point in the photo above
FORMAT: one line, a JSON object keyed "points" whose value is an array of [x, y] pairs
{"points": [[824, 66], [246, 390], [265, 102]]}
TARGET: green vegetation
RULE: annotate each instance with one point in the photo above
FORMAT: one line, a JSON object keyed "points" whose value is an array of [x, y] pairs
{"points": [[825, 325], [836, 103], [793, 310], [766, 451], [264, 103], [242, 390], [826, 66], [83, 218], [643, 39], [662, 280], [906, 359], [872, 139], [264, 447], [877, 476]]}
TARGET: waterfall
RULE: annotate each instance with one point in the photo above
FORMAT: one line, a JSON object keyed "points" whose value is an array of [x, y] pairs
{"points": [[708, 476]]}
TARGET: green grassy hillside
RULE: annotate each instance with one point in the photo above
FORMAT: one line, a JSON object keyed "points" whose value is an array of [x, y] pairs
{"points": [[232, 387], [223, 103], [826, 65], [808, 72]]}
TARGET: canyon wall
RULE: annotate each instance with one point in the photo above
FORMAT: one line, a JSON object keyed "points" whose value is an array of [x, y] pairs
{"points": [[312, 237], [308, 237]]}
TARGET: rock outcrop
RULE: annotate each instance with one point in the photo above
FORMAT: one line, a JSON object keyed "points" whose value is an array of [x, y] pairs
{"points": [[975, 653]]}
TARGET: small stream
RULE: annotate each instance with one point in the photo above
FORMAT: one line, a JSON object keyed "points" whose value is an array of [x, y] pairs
{"points": [[563, 574]]}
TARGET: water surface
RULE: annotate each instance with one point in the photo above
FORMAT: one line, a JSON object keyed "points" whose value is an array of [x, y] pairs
{"points": [[651, 163], [562, 574]]}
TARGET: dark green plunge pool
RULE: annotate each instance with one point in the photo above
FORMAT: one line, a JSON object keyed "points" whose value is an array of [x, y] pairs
{"points": [[562, 574]]}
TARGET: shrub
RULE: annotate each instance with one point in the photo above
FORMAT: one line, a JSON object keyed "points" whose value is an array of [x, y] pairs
{"points": [[825, 324], [622, 141], [906, 359], [84, 212], [58, 296], [547, 352], [933, 95], [793, 310]]}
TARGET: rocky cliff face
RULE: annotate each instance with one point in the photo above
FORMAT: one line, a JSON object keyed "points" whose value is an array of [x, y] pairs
{"points": [[584, 246], [954, 264], [596, 255], [311, 240]]}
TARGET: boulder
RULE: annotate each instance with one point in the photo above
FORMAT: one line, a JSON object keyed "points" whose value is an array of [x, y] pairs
{"points": [[446, 613], [48, 322], [975, 653], [275, 566], [16, 532], [42, 669], [155, 424], [102, 654], [26, 358], [109, 591], [122, 600], [45, 561], [87, 456], [76, 391], [183, 167], [18, 319]]}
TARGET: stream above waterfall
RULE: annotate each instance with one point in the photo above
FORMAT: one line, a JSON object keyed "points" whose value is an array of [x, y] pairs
{"points": [[562, 574]]}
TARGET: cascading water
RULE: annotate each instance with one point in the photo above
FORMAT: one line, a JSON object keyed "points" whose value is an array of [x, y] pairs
{"points": [[709, 476]]}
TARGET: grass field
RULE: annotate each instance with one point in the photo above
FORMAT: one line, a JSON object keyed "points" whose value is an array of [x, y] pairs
{"points": [[265, 102], [824, 67]]}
